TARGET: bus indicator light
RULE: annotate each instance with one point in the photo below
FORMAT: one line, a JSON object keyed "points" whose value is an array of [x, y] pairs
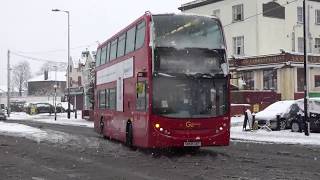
{"points": [[157, 125]]}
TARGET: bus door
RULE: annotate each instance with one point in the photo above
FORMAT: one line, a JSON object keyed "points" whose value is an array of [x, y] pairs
{"points": [[140, 114]]}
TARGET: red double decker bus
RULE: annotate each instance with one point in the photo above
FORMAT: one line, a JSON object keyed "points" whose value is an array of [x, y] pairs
{"points": [[163, 81]]}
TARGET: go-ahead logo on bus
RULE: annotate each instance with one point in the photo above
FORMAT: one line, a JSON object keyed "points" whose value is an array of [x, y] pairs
{"points": [[190, 124]]}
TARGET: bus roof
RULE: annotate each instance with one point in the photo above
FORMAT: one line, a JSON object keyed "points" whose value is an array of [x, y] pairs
{"points": [[148, 13]]}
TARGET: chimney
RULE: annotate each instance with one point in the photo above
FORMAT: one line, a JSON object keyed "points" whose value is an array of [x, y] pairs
{"points": [[45, 74]]}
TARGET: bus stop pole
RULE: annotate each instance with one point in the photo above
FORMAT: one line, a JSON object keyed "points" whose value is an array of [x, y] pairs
{"points": [[75, 106]]}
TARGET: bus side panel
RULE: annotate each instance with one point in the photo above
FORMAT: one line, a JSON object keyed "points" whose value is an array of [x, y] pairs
{"points": [[140, 129]]}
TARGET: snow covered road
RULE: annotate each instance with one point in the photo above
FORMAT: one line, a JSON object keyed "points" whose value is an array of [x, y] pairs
{"points": [[82, 154], [34, 133], [49, 118]]}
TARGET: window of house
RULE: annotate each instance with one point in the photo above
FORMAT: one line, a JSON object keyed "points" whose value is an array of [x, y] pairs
{"points": [[140, 35], [299, 14], [79, 81], [113, 49], [131, 35], [112, 98], [300, 79], [317, 43], [98, 56], [318, 16], [317, 81], [238, 45], [103, 55], [102, 99], [121, 45], [273, 9], [301, 44], [216, 13], [108, 53], [248, 78], [270, 79], [237, 13]]}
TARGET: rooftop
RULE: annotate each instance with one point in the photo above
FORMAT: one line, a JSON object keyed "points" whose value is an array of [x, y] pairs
{"points": [[199, 3], [61, 76]]}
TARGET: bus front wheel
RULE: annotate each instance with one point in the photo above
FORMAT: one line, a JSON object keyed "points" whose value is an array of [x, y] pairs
{"points": [[101, 127], [129, 135]]}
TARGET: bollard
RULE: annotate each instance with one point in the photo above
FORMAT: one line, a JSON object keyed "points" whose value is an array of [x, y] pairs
{"points": [[253, 120], [244, 127], [278, 122]]}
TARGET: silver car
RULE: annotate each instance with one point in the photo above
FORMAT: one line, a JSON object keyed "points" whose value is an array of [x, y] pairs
{"points": [[268, 116], [2, 115]]}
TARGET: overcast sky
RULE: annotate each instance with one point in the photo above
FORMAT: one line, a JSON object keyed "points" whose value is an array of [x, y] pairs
{"points": [[30, 27]]}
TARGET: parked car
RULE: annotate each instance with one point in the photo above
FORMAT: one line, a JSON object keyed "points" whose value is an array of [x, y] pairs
{"points": [[17, 106], [285, 109], [64, 105], [39, 108], [59, 108], [43, 108], [3, 115], [314, 109]]}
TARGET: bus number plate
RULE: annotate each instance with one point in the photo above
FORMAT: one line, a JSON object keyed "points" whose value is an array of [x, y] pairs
{"points": [[198, 143]]}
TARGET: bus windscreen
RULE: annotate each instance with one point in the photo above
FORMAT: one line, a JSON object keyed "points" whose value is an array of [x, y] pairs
{"points": [[188, 44]]}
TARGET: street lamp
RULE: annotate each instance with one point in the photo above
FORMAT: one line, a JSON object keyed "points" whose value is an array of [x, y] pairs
{"points": [[305, 62], [68, 70], [55, 101]]}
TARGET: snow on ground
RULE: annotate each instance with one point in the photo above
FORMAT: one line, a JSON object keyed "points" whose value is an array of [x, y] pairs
{"points": [[47, 118], [38, 135], [263, 136], [20, 130], [237, 121]]}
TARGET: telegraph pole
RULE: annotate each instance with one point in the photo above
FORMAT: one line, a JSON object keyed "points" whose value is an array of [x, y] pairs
{"points": [[306, 114], [8, 84], [68, 63]]}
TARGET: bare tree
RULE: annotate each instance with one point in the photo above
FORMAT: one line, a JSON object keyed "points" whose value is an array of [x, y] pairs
{"points": [[20, 76]]}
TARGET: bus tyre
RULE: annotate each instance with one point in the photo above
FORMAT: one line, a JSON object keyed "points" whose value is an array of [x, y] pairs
{"points": [[129, 135], [101, 126], [102, 129]]}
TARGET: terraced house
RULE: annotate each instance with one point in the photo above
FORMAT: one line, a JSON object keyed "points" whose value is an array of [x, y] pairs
{"points": [[265, 46]]}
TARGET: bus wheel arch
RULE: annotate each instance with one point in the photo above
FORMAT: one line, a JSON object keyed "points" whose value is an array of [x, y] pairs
{"points": [[129, 134]]}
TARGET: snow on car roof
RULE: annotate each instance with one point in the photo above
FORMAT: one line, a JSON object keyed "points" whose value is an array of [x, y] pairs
{"points": [[280, 106], [275, 109]]}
